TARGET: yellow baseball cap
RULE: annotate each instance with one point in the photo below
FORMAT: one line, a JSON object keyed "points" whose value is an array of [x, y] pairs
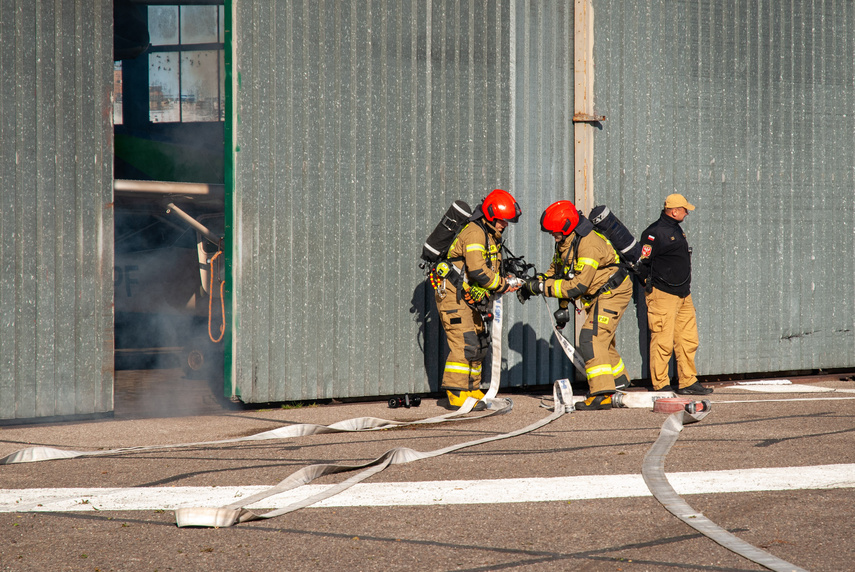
{"points": [[676, 201]]}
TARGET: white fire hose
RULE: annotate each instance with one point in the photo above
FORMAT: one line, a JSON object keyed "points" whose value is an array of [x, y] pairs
{"points": [[236, 513], [652, 469], [495, 406]]}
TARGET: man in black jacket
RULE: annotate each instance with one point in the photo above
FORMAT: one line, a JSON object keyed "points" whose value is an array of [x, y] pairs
{"points": [[666, 266]]}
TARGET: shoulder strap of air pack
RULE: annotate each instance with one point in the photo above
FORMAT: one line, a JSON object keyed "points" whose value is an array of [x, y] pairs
{"points": [[486, 240], [570, 258]]}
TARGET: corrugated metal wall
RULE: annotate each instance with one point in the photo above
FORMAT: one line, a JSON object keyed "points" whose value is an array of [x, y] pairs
{"points": [[355, 124], [56, 229], [748, 108]]}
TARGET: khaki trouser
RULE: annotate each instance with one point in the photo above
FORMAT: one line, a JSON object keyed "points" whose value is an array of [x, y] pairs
{"points": [[467, 343], [673, 330], [603, 363]]}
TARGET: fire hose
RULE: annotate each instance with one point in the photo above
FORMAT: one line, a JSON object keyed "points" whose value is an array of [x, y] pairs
{"points": [[569, 349], [653, 468], [496, 406], [653, 471], [235, 513]]}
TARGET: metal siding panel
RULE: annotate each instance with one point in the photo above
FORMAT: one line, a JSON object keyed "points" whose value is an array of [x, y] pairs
{"points": [[728, 103], [329, 144], [90, 207], [242, 223], [66, 200], [259, 210], [8, 217], [543, 162], [56, 236], [25, 209], [45, 213], [754, 126], [374, 116], [362, 242], [103, 260]]}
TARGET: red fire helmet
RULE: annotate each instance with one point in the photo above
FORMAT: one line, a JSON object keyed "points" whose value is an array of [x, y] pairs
{"points": [[500, 204], [560, 216]]}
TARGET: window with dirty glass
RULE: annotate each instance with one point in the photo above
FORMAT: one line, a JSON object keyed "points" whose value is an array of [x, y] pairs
{"points": [[186, 63]]}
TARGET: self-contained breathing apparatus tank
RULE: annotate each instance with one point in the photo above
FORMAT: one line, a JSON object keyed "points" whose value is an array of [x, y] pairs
{"points": [[437, 244], [621, 238]]}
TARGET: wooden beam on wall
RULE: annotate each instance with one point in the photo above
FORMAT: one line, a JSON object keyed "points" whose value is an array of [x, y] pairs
{"points": [[583, 110]]}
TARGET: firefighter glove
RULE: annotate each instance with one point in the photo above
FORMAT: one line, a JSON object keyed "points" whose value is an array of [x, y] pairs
{"points": [[477, 293]]}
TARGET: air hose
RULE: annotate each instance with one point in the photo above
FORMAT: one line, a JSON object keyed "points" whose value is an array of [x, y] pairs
{"points": [[222, 303]]}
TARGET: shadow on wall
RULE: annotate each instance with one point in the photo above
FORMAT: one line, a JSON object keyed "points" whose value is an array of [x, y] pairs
{"points": [[517, 341], [430, 336], [430, 339], [432, 342], [641, 320]]}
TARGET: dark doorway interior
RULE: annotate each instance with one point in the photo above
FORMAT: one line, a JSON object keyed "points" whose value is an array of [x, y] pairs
{"points": [[169, 171]]}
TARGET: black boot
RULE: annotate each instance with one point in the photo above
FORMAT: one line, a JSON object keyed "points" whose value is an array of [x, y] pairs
{"points": [[694, 389]]}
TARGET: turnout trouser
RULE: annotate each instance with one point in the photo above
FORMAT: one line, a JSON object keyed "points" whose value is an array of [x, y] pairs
{"points": [[603, 363], [673, 330], [467, 343]]}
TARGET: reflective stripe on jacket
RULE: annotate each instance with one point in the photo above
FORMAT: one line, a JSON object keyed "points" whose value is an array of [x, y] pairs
{"points": [[482, 261], [595, 263]]}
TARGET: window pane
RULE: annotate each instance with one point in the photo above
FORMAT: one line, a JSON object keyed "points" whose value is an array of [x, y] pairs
{"points": [[222, 24], [198, 24], [163, 87], [222, 80], [118, 115], [163, 25], [200, 100]]}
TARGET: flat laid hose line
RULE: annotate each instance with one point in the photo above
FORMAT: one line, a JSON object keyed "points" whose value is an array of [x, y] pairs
{"points": [[35, 454], [653, 471], [235, 513], [496, 406]]}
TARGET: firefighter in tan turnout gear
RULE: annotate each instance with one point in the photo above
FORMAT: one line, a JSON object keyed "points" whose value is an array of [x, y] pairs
{"points": [[586, 268], [470, 276]]}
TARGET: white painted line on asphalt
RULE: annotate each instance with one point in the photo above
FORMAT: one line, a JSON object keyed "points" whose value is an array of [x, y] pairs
{"points": [[433, 492], [786, 388], [785, 399]]}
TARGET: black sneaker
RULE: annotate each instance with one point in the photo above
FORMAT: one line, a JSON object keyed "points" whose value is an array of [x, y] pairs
{"points": [[694, 389], [665, 388], [594, 403]]}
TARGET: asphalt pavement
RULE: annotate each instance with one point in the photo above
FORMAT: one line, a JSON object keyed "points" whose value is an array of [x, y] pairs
{"points": [[772, 464]]}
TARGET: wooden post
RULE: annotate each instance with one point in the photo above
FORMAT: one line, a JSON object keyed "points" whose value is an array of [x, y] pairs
{"points": [[583, 110]]}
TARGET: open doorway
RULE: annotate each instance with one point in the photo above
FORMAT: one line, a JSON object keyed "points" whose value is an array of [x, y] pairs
{"points": [[169, 199]]}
